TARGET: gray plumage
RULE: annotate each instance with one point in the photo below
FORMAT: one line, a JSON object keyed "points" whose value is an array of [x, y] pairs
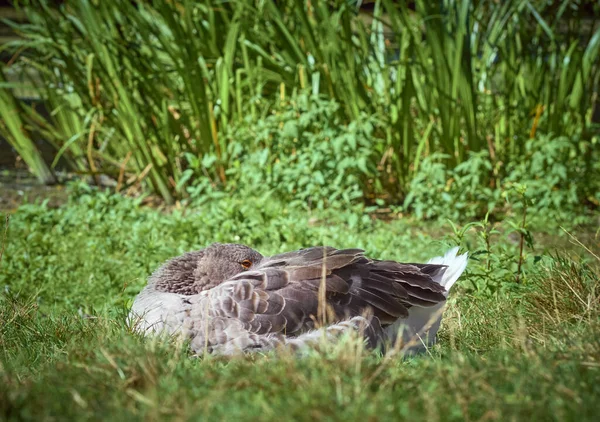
{"points": [[228, 298]]}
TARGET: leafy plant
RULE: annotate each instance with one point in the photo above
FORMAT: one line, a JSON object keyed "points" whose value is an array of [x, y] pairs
{"points": [[303, 154], [12, 128], [553, 177], [152, 89]]}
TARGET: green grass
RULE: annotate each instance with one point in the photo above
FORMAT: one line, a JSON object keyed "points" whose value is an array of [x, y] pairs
{"points": [[526, 351], [281, 130]]}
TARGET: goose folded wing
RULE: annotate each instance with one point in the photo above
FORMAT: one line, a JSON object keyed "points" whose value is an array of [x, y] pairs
{"points": [[281, 295]]}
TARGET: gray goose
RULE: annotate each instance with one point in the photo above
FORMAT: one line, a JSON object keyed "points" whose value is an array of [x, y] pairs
{"points": [[228, 298]]}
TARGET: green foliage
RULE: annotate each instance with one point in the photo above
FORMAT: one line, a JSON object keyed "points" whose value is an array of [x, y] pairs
{"points": [[303, 155], [459, 193], [154, 88], [559, 173], [502, 255], [512, 350], [555, 173], [11, 128]]}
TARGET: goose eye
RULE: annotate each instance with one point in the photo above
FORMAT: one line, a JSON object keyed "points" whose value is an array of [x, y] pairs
{"points": [[246, 263]]}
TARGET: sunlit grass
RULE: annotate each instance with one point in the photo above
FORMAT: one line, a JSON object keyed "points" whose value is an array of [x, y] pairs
{"points": [[527, 351]]}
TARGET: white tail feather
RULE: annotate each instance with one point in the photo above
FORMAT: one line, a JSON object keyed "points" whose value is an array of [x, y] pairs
{"points": [[456, 265], [419, 330]]}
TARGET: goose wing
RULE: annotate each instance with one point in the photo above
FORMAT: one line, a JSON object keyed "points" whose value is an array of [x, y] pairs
{"points": [[280, 298]]}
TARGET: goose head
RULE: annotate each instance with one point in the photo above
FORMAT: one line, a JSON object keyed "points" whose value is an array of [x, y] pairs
{"points": [[202, 270], [220, 262]]}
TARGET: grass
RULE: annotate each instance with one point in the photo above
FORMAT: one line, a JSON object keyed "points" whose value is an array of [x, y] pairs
{"points": [[259, 114], [525, 351]]}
